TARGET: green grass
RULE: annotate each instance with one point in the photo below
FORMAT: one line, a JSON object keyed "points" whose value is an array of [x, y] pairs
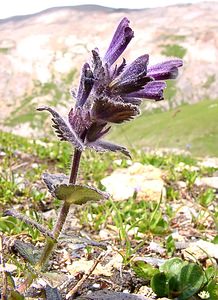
{"points": [[192, 127], [133, 223], [4, 50], [210, 80], [173, 50], [57, 91]]}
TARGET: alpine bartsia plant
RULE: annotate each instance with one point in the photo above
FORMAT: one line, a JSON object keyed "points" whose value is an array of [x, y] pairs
{"points": [[111, 93], [108, 93]]}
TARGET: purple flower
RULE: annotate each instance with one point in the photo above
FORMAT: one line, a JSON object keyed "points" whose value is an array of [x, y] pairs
{"points": [[120, 41], [111, 93]]}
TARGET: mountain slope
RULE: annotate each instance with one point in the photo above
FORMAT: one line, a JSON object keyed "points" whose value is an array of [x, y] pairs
{"points": [[47, 46], [189, 127]]}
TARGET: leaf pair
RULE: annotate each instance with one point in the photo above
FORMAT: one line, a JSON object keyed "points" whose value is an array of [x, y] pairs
{"points": [[177, 279]]}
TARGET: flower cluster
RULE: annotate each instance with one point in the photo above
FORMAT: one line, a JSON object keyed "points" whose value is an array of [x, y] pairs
{"points": [[111, 93]]}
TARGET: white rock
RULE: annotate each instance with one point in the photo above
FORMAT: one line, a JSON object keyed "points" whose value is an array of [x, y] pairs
{"points": [[2, 154], [144, 179], [209, 181], [210, 162], [200, 250], [156, 248]]}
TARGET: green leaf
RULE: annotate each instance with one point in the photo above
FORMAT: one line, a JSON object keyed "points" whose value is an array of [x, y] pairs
{"points": [[27, 251], [191, 280], [14, 295], [170, 245], [172, 267], [207, 197], [52, 180], [144, 270], [78, 194], [159, 285], [212, 289], [10, 280], [209, 273], [157, 223], [215, 240], [174, 287]]}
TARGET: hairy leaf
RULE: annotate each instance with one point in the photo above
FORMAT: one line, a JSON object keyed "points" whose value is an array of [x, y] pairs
{"points": [[63, 131], [108, 110], [103, 146], [52, 180], [78, 194], [79, 120], [27, 251], [96, 131]]}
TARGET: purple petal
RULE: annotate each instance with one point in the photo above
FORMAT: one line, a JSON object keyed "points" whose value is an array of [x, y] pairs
{"points": [[165, 70], [85, 86], [152, 90], [120, 40], [102, 146], [132, 78], [113, 111], [64, 132]]}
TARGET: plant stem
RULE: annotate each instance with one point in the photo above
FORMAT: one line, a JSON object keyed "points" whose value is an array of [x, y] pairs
{"points": [[50, 243], [75, 166]]}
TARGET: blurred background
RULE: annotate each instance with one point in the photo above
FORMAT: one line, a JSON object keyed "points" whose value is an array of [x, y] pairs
{"points": [[43, 45]]}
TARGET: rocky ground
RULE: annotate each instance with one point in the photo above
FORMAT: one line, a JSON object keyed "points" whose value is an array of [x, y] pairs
{"points": [[163, 205]]}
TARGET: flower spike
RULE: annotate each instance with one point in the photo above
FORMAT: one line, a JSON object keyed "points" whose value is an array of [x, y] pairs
{"points": [[111, 93]]}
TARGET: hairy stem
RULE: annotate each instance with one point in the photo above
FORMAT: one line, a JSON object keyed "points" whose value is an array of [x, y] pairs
{"points": [[75, 166], [50, 243]]}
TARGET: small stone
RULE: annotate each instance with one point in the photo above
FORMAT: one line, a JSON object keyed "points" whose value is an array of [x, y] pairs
{"points": [[8, 267], [96, 286], [200, 250], [182, 184], [210, 162], [35, 166], [118, 162], [145, 180], [208, 181], [146, 291], [156, 248], [2, 154], [189, 212]]}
